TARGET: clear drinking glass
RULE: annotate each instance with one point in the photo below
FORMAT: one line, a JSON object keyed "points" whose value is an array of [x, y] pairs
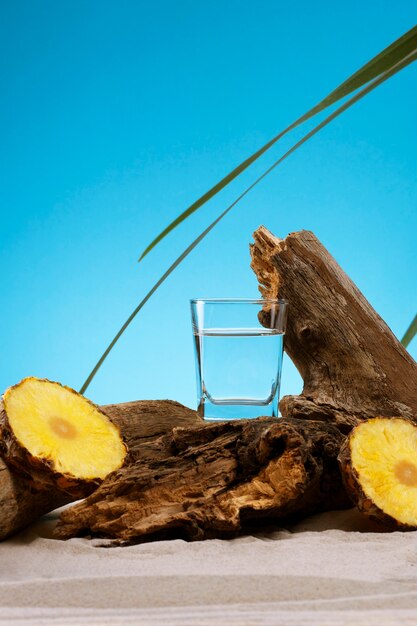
{"points": [[238, 352]]}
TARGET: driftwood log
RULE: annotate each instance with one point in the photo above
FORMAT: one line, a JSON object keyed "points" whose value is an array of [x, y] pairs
{"points": [[352, 365], [217, 480], [142, 421]]}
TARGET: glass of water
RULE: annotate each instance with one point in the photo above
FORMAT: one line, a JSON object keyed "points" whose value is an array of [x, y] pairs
{"points": [[238, 352]]}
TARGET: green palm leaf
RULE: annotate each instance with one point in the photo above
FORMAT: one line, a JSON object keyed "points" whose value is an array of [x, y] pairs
{"points": [[386, 59], [372, 85], [410, 333]]}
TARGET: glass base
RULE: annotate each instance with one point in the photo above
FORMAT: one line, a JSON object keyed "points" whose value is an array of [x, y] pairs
{"points": [[221, 412]]}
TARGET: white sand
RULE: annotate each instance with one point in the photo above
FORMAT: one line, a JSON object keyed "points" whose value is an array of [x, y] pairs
{"points": [[329, 570]]}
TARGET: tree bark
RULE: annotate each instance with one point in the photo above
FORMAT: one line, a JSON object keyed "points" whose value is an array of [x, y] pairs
{"points": [[142, 421], [215, 481], [352, 365]]}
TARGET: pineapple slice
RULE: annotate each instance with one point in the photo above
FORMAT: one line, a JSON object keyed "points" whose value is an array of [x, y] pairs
{"points": [[57, 437], [379, 467]]}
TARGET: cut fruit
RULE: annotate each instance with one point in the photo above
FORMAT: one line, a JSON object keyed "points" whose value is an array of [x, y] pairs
{"points": [[379, 467], [57, 437]]}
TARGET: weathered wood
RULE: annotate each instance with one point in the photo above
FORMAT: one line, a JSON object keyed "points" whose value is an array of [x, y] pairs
{"points": [[215, 481], [21, 503], [352, 365], [146, 420]]}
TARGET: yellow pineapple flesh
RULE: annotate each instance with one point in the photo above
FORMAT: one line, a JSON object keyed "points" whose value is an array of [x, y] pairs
{"points": [[60, 428], [379, 463]]}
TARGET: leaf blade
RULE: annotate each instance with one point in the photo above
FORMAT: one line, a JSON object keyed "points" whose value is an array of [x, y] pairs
{"points": [[410, 333], [382, 62]]}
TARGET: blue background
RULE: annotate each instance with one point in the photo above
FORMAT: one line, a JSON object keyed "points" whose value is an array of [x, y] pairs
{"points": [[115, 115]]}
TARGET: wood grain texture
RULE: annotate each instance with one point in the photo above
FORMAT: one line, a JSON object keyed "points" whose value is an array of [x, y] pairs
{"points": [[21, 503], [215, 481], [352, 365]]}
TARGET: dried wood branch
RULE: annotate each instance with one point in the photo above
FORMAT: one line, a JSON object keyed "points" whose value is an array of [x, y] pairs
{"points": [[352, 365], [215, 481]]}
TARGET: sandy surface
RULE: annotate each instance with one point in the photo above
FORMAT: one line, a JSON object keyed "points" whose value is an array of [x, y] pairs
{"points": [[329, 570]]}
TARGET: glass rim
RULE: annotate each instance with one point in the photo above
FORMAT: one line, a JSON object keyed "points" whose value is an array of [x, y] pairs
{"points": [[239, 300]]}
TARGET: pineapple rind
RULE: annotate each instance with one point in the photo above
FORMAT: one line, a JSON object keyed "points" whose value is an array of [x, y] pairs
{"points": [[95, 450], [376, 447]]}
